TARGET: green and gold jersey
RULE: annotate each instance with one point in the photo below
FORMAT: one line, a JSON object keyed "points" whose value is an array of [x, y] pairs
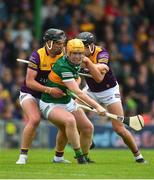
{"points": [[62, 71]]}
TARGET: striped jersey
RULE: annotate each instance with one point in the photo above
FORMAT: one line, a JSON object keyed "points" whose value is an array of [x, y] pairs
{"points": [[41, 62], [101, 56], [62, 71]]}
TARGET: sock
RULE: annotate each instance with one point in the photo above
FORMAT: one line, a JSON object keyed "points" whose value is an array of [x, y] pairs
{"points": [[24, 151], [59, 153], [136, 153], [78, 152], [86, 156], [139, 157], [23, 156], [56, 158]]}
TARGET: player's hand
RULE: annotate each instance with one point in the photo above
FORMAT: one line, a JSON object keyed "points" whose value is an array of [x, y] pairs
{"points": [[101, 111], [55, 92], [85, 61]]}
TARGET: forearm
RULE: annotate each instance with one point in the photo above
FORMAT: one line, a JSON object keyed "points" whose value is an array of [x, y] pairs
{"points": [[73, 86], [94, 71], [78, 81], [87, 99], [34, 85], [97, 71], [103, 69]]}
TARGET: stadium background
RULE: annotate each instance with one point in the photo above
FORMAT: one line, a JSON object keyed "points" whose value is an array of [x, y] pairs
{"points": [[124, 27]]}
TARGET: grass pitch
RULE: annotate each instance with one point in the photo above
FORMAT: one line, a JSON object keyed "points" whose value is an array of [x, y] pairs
{"points": [[117, 164]]}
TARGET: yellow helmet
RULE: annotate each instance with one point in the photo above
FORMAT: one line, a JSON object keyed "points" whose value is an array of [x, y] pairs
{"points": [[75, 45]]}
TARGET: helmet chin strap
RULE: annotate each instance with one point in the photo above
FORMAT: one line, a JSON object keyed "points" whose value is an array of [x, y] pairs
{"points": [[50, 45], [91, 49]]}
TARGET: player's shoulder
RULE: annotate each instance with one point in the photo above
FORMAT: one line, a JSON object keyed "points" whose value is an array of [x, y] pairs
{"points": [[100, 49], [37, 53], [102, 55], [61, 66], [41, 50], [61, 62], [34, 57]]}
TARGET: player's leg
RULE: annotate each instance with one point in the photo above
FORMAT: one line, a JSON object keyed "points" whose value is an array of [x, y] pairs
{"points": [[116, 108], [85, 90], [61, 141], [61, 117], [31, 109], [112, 100], [86, 129]]}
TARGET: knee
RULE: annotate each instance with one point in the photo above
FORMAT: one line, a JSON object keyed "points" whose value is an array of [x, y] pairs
{"points": [[34, 120], [88, 129], [70, 122]]}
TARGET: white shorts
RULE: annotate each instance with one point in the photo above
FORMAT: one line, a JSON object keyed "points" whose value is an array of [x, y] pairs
{"points": [[46, 108], [24, 96], [106, 97]]}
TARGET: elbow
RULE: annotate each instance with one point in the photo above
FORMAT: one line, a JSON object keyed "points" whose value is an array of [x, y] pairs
{"points": [[99, 79], [28, 83]]}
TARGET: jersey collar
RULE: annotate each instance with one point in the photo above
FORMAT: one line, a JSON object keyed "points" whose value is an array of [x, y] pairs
{"points": [[46, 51]]}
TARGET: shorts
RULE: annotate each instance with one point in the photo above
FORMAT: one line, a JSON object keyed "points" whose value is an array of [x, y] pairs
{"points": [[24, 96], [106, 97], [46, 108]]}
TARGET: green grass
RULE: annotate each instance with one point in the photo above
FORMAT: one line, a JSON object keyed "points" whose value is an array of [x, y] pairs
{"points": [[110, 164]]}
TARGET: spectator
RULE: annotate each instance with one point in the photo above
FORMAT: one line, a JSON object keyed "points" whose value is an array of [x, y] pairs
{"points": [[126, 48], [125, 27]]}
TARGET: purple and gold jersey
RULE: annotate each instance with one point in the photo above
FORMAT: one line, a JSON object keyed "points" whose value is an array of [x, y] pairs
{"points": [[41, 62], [101, 56]]}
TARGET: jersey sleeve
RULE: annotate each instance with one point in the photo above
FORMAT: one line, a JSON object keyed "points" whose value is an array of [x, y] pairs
{"points": [[34, 61], [103, 57], [67, 75]]}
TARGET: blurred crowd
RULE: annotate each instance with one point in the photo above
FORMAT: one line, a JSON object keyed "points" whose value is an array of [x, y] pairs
{"points": [[124, 27]]}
